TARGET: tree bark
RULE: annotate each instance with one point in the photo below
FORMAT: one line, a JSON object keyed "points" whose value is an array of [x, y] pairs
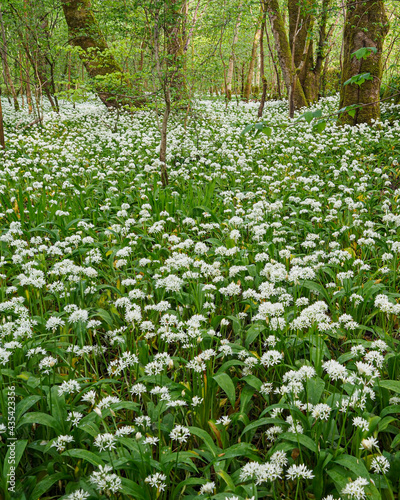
{"points": [[275, 65], [296, 96], [6, 69], [2, 140], [262, 69], [256, 39], [232, 58], [366, 25], [163, 143], [85, 33]]}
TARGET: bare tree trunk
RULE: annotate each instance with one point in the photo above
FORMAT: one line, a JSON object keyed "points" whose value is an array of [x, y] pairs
{"points": [[101, 66], [28, 89], [7, 76], [262, 69], [21, 78], [366, 25], [257, 34], [2, 140], [232, 58], [163, 143], [278, 79]]}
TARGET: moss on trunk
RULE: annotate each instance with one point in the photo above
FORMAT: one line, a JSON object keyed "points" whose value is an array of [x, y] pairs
{"points": [[366, 26], [293, 85], [111, 85]]}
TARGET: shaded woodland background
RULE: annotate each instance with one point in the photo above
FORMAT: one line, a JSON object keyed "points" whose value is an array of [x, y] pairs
{"points": [[139, 53]]}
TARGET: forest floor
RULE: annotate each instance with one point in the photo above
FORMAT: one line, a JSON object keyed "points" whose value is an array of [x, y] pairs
{"points": [[233, 336]]}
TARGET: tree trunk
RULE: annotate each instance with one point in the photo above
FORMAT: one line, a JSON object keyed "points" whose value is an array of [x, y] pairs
{"points": [[311, 79], [28, 88], [296, 96], [163, 143], [84, 32], [278, 79], [2, 141], [366, 25], [262, 69], [232, 58], [6, 69], [249, 80]]}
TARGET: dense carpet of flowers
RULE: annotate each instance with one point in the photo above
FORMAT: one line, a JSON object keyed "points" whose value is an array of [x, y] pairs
{"points": [[232, 336]]}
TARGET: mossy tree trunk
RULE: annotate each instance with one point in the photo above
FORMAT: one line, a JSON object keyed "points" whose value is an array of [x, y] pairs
{"points": [[296, 96], [107, 74], [366, 25]]}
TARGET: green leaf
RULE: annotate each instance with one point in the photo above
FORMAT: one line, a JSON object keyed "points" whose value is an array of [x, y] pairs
{"points": [[24, 405], [18, 451], [247, 129], [239, 450], [267, 131], [391, 385], [40, 418], [86, 455], [308, 116], [253, 381], [300, 439], [228, 480], [226, 384], [252, 333], [319, 126], [354, 464], [132, 489], [315, 387], [45, 484], [396, 441], [262, 421], [364, 52], [202, 434]]}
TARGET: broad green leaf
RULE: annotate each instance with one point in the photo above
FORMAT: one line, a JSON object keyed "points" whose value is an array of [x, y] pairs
{"points": [[301, 439], [45, 484], [391, 385], [41, 419], [86, 455], [202, 434], [17, 450], [226, 384], [354, 464]]}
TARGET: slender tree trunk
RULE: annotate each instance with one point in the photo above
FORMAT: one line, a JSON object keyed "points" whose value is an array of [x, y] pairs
{"points": [[163, 143], [232, 58], [2, 140], [28, 89], [366, 25], [21, 77], [6, 69], [276, 69], [242, 81], [296, 96], [262, 69], [250, 74], [101, 66]]}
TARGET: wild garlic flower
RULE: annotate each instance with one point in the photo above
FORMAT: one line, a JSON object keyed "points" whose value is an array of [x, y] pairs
{"points": [[180, 433], [380, 464], [157, 481], [355, 489], [299, 472]]}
